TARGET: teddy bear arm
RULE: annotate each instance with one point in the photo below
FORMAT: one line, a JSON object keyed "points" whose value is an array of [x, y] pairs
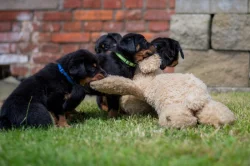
{"points": [[117, 85]]}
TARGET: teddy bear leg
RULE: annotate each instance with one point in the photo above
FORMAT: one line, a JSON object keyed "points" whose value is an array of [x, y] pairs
{"points": [[176, 116], [132, 105], [216, 114], [197, 99]]}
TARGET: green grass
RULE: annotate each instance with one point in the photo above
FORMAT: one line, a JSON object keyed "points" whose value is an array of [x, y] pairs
{"points": [[136, 140]]}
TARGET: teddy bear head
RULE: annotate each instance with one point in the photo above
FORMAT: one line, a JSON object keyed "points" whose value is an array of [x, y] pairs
{"points": [[150, 64]]}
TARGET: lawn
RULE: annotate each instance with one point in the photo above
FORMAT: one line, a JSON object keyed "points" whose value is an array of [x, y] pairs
{"points": [[134, 140]]}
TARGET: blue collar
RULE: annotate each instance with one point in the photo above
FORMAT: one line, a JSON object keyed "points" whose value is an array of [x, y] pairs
{"points": [[65, 74]]}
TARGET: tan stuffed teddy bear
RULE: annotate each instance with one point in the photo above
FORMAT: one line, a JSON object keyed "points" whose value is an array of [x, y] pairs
{"points": [[181, 100]]}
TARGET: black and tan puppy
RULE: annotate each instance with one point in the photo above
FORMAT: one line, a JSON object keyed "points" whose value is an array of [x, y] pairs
{"points": [[104, 46], [31, 103], [107, 43], [168, 49], [131, 49]]}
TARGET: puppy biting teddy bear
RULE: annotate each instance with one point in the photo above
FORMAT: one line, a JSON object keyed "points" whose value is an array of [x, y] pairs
{"points": [[180, 100]]}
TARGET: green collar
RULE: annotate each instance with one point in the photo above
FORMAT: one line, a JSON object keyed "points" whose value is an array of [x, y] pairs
{"points": [[125, 60]]}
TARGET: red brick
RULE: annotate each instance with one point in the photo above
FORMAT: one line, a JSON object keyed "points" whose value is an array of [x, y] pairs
{"points": [[4, 48], [88, 46], [112, 4], [162, 34], [72, 26], [156, 4], [96, 35], [36, 68], [158, 26], [70, 37], [158, 15], [93, 26], [171, 4], [134, 15], [44, 58], [51, 48], [7, 48], [50, 27], [120, 15], [72, 4], [53, 16], [19, 70], [93, 15], [92, 4], [16, 26], [69, 48], [26, 48], [14, 37], [13, 48], [113, 26], [148, 36], [135, 26], [5, 26], [41, 37], [15, 16], [134, 3], [36, 26]]}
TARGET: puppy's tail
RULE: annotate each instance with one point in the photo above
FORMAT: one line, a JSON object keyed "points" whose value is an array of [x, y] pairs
{"points": [[4, 123]]}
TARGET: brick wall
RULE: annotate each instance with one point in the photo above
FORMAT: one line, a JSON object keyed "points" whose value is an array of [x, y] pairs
{"points": [[44, 30]]}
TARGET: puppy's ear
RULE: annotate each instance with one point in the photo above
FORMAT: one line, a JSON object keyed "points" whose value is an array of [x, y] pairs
{"points": [[128, 45], [182, 54], [116, 36], [77, 71]]}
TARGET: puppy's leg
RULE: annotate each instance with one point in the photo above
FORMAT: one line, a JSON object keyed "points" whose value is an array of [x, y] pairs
{"points": [[37, 116], [75, 98], [54, 104], [62, 121], [77, 95], [113, 105], [102, 103]]}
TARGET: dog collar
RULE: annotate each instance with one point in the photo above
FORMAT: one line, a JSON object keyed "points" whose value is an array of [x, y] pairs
{"points": [[125, 60], [60, 68]]}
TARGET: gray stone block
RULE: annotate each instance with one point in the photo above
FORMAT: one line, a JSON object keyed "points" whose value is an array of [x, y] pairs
{"points": [[192, 6], [231, 32], [191, 30], [249, 7], [28, 4], [217, 68], [229, 6]]}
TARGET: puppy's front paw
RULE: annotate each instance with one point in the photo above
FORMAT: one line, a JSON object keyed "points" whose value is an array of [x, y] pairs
{"points": [[62, 122]]}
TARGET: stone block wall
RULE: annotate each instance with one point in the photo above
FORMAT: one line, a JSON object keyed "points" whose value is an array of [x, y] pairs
{"points": [[35, 32], [215, 35]]}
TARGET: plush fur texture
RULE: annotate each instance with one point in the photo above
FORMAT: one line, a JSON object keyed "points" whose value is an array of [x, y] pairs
{"points": [[169, 50], [181, 100], [104, 46], [49, 91]]}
